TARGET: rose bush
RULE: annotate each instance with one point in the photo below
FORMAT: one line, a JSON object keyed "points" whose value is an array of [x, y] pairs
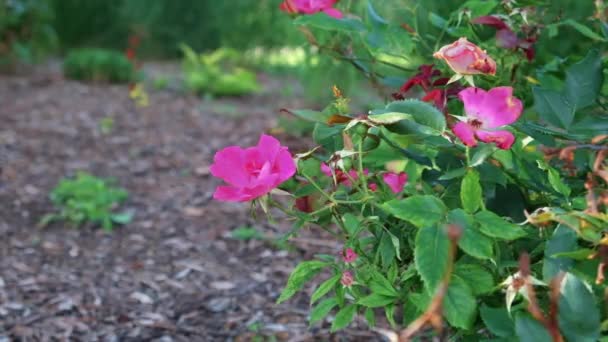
{"points": [[475, 212]]}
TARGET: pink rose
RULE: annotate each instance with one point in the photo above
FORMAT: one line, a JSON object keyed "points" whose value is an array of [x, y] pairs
{"points": [[252, 172], [466, 58], [311, 7], [347, 279], [395, 181], [485, 112], [349, 255]]}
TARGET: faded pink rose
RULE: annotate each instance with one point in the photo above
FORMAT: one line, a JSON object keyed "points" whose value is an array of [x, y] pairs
{"points": [[466, 58], [349, 255], [252, 172], [347, 278], [485, 112], [395, 181], [311, 7]]}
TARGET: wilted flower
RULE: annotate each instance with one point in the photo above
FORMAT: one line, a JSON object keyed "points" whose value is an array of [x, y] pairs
{"points": [[506, 38], [311, 7], [252, 172], [516, 283], [341, 177], [436, 89], [485, 112], [395, 181], [347, 279], [466, 58]]}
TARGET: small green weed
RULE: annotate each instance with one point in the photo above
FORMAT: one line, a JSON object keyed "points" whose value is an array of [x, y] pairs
{"points": [[87, 199], [98, 65], [217, 73]]}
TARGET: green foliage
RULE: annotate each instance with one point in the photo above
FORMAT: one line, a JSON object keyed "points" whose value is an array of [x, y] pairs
{"points": [[87, 199], [203, 25], [217, 73], [98, 65], [25, 31], [475, 226]]}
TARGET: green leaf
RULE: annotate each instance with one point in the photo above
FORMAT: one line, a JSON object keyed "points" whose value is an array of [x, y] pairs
{"points": [[431, 255], [352, 224], [396, 244], [375, 300], [583, 83], [477, 277], [455, 173], [479, 8], [426, 119], [324, 288], [554, 179], [325, 22], [481, 153], [470, 192], [380, 285], [584, 30], [386, 249], [388, 118], [579, 316], [497, 320], [460, 306], [322, 309], [530, 330], [122, 218], [370, 317], [344, 317], [495, 226], [420, 210], [472, 241], [563, 240], [300, 275], [579, 254], [308, 115]]}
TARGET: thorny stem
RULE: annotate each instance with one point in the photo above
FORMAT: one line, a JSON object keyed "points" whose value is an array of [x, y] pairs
{"points": [[551, 322], [360, 168], [325, 194]]}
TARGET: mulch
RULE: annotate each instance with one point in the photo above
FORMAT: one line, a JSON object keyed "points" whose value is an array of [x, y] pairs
{"points": [[174, 273]]}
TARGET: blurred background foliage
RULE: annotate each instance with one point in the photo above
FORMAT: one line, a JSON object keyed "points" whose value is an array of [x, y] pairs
{"points": [[30, 27]]}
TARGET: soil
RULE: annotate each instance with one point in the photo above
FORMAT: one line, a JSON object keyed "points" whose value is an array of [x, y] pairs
{"points": [[175, 273]]}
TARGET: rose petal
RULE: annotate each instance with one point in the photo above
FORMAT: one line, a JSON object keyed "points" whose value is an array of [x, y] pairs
{"points": [[495, 108], [395, 182], [230, 194], [333, 12], [465, 133], [228, 164], [491, 20], [503, 139]]}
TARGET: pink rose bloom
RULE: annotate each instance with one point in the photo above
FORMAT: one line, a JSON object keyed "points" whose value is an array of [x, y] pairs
{"points": [[373, 187], [466, 58], [311, 7], [347, 279], [487, 111], [395, 181], [349, 255], [252, 172]]}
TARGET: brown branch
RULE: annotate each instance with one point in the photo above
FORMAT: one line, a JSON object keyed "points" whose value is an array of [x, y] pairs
{"points": [[551, 322], [433, 314]]}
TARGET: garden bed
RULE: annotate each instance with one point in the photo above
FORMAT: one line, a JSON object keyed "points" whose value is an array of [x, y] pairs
{"points": [[175, 272]]}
